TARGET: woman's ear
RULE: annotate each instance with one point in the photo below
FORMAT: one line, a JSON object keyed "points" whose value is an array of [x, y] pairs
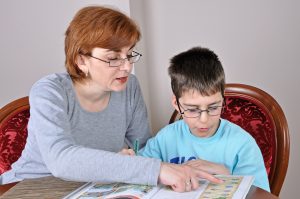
{"points": [[81, 63], [174, 102]]}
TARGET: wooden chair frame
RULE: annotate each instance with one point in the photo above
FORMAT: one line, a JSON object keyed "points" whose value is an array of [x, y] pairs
{"points": [[278, 172], [13, 107]]}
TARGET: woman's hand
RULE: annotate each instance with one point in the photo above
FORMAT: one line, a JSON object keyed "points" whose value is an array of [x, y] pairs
{"points": [[127, 152], [209, 167], [183, 177]]}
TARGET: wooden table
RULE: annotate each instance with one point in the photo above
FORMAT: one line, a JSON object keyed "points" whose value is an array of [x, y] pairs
{"points": [[52, 188]]}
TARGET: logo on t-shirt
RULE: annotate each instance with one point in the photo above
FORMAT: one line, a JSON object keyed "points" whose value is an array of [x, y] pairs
{"points": [[181, 160]]}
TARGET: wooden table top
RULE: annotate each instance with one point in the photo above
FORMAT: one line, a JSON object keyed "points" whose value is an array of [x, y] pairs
{"points": [[52, 188], [46, 188]]}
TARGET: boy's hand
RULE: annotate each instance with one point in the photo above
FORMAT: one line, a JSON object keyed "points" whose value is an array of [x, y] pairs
{"points": [[127, 152], [210, 167]]}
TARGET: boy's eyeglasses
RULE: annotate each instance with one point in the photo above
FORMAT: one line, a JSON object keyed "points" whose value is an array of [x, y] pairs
{"points": [[133, 58], [193, 113]]}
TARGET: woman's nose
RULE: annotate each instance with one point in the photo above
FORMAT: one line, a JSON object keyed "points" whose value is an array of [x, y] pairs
{"points": [[126, 65]]}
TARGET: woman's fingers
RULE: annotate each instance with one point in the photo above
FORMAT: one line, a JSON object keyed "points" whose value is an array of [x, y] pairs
{"points": [[127, 152], [195, 183], [172, 175], [188, 185], [208, 176], [184, 177], [131, 152]]}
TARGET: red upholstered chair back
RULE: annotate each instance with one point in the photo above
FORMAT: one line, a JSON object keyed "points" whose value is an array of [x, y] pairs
{"points": [[259, 114], [13, 132]]}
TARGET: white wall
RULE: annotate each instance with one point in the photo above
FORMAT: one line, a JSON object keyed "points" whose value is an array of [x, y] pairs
{"points": [[257, 41], [32, 40]]}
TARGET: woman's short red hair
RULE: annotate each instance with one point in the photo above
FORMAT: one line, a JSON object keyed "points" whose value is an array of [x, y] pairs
{"points": [[97, 26]]}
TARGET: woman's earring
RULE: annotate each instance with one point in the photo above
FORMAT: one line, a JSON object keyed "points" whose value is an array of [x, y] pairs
{"points": [[86, 73]]}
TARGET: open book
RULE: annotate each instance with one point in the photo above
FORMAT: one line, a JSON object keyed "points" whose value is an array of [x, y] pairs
{"points": [[235, 187]]}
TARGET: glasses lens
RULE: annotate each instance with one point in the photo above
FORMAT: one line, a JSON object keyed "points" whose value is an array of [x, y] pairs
{"points": [[116, 62], [192, 113], [213, 111], [134, 59]]}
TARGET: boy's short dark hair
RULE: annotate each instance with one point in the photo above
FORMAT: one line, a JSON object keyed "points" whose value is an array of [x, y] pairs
{"points": [[197, 69]]}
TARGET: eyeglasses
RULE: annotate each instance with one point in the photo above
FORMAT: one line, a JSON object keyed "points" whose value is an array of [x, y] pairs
{"points": [[133, 58], [193, 113]]}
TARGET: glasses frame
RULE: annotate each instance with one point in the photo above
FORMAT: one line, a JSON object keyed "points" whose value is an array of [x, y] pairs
{"points": [[199, 110], [121, 59]]}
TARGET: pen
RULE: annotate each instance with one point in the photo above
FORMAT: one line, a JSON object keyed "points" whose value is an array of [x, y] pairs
{"points": [[136, 146]]}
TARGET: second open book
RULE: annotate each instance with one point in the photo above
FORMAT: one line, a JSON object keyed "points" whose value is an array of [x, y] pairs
{"points": [[235, 187]]}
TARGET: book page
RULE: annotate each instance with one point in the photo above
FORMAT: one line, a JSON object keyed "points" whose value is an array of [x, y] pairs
{"points": [[234, 187], [244, 187], [168, 193], [114, 190]]}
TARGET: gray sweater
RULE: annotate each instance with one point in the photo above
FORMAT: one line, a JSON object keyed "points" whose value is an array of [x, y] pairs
{"points": [[68, 142]]}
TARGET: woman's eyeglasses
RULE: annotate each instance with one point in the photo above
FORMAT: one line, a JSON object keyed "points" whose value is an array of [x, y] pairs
{"points": [[133, 58]]}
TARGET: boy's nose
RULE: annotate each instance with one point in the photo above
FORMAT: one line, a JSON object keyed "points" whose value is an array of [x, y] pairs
{"points": [[203, 117]]}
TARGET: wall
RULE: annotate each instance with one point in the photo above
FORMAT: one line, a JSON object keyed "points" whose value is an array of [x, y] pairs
{"points": [[257, 41], [32, 40]]}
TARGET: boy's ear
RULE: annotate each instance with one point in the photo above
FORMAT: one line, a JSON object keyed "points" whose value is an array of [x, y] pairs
{"points": [[174, 102]]}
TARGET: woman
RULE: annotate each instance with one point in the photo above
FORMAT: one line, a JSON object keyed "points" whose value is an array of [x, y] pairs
{"points": [[80, 119]]}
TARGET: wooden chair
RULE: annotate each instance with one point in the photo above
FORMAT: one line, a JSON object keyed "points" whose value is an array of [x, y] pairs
{"points": [[13, 134], [259, 114]]}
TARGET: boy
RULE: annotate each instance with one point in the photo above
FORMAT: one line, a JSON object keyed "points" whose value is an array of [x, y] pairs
{"points": [[198, 81]]}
